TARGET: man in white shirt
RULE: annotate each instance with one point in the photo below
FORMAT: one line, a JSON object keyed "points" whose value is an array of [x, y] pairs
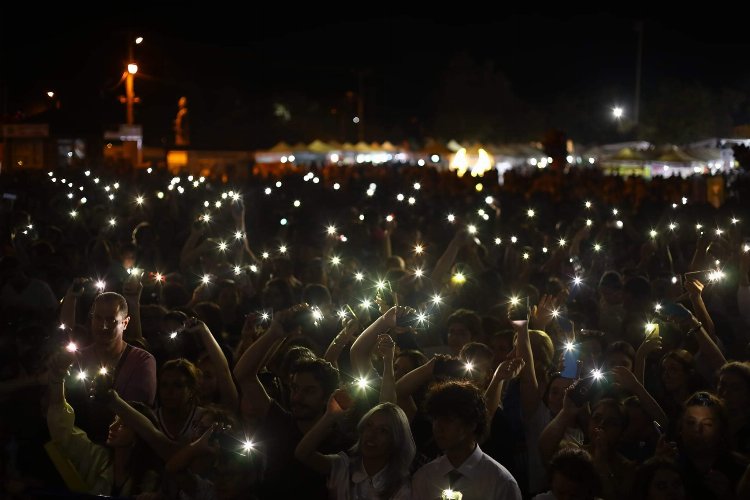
{"points": [[459, 420]]}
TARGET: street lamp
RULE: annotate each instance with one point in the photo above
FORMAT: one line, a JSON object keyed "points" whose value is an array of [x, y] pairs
{"points": [[617, 112], [129, 91]]}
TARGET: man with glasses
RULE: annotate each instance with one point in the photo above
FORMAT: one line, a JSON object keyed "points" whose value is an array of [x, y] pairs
{"points": [[133, 370]]}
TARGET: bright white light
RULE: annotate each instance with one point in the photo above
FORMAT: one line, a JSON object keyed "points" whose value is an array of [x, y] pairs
{"points": [[363, 383], [451, 217], [335, 260], [331, 230], [468, 366], [268, 190], [291, 158], [569, 346], [577, 280], [589, 222], [103, 370], [206, 279], [173, 335], [436, 299], [359, 276], [597, 247], [112, 221], [400, 197], [297, 203], [100, 285], [420, 162], [282, 249], [412, 200], [336, 186], [283, 221], [597, 373], [418, 272], [71, 347], [435, 158], [617, 112], [81, 375], [561, 242], [417, 186], [471, 228], [734, 220], [513, 239], [652, 233], [355, 119], [530, 212], [334, 158], [619, 224], [498, 241], [73, 214]]}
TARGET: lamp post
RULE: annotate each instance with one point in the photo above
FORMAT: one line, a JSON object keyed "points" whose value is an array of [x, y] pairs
{"points": [[130, 97]]}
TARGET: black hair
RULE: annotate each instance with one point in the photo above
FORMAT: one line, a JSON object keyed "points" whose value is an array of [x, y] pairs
{"points": [[460, 399]]}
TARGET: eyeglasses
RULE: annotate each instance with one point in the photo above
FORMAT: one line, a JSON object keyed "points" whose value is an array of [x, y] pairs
{"points": [[108, 322]]}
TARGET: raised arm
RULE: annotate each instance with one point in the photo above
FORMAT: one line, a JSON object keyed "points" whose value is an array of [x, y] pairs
{"points": [[385, 349], [530, 397], [224, 381], [651, 344], [407, 385], [549, 440], [340, 341], [507, 370], [131, 290], [142, 426], [694, 289], [247, 367], [446, 260], [361, 351], [307, 449], [629, 382], [68, 308]]}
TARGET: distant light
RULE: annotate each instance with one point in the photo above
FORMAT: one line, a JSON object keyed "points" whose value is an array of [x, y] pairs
{"points": [[412, 200], [331, 230], [451, 217], [489, 200], [577, 280], [132, 68], [268, 190], [362, 383], [471, 228], [50, 94], [589, 222], [139, 40], [206, 279], [283, 160], [435, 158], [400, 197], [335, 260], [498, 241], [458, 278], [297, 203], [617, 112], [417, 186], [619, 224], [513, 239], [479, 187], [336, 186], [291, 158], [355, 119], [418, 249], [530, 213], [597, 247], [735, 221], [420, 162], [684, 200], [569, 346], [359, 276], [71, 347], [282, 249], [334, 158]]}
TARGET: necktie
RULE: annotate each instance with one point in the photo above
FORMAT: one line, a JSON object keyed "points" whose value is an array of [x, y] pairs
{"points": [[453, 477]]}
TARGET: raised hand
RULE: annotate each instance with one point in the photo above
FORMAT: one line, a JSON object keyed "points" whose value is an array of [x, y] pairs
{"points": [[694, 287], [509, 369], [396, 313], [77, 286], [385, 347], [542, 314], [58, 364]]}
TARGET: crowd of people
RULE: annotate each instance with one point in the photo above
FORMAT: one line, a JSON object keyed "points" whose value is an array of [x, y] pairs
{"points": [[374, 332]]}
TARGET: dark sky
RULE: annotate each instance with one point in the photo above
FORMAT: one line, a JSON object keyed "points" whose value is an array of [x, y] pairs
{"points": [[317, 51]]}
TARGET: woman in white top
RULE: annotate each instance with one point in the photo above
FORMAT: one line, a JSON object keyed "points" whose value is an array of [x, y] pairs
{"points": [[376, 467]]}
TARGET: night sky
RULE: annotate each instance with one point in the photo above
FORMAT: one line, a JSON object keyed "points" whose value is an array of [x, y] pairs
{"points": [[224, 59]]}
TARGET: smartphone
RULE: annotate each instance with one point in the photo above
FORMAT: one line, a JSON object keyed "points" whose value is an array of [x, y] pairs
{"points": [[658, 428], [518, 313], [571, 362], [354, 315]]}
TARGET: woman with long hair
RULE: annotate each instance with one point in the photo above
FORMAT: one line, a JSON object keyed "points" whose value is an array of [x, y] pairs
{"points": [[377, 466]]}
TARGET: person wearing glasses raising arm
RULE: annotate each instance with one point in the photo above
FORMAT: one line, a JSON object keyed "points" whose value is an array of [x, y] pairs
{"points": [[133, 369]]}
